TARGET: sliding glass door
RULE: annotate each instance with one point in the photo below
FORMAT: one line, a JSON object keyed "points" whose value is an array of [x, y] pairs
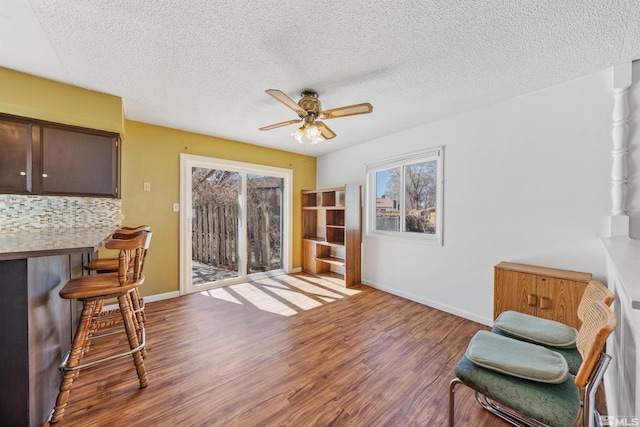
{"points": [[234, 222], [215, 225], [264, 222]]}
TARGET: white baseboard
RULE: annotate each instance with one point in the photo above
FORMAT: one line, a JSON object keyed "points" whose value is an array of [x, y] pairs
{"points": [[446, 308], [160, 297], [150, 298]]}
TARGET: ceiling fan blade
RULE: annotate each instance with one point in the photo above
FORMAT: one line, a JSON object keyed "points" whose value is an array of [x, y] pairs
{"points": [[280, 96], [325, 131], [350, 110], [277, 125]]}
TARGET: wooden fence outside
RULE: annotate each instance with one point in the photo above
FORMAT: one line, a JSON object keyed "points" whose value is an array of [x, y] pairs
{"points": [[215, 236]]}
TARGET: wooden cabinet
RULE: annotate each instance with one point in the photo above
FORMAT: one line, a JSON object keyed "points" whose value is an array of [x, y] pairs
{"points": [[332, 233], [19, 155], [39, 157], [544, 292]]}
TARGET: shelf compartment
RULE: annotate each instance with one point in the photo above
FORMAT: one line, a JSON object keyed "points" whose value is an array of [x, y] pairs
{"points": [[322, 241], [335, 217], [309, 225], [310, 199], [335, 235], [332, 260], [328, 198]]}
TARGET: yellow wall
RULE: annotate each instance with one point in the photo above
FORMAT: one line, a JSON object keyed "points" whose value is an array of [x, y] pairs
{"points": [[149, 154], [25, 95], [152, 154]]}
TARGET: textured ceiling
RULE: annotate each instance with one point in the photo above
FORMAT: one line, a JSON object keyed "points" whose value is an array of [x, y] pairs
{"points": [[203, 65]]}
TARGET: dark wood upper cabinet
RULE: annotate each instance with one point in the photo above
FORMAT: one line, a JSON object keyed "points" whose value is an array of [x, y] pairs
{"points": [[45, 158], [79, 162], [18, 149]]}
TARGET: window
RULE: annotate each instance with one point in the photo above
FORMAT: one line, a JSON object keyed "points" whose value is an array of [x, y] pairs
{"points": [[404, 196]]}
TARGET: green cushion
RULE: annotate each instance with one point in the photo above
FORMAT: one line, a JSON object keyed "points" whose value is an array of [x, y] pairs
{"points": [[536, 330], [556, 405], [571, 355], [517, 358]]}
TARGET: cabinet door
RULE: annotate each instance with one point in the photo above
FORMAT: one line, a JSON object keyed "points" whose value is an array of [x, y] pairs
{"points": [[17, 156], [559, 300], [79, 163], [514, 291]]}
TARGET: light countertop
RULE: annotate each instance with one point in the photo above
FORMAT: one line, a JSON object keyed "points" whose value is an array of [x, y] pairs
{"points": [[47, 242]]}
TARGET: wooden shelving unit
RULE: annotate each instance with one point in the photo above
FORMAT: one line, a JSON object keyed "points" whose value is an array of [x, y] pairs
{"points": [[332, 233]]}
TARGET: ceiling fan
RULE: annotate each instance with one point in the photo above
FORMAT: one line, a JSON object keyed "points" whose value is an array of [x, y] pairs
{"points": [[309, 109]]}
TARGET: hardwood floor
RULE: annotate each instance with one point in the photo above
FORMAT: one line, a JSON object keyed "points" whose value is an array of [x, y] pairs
{"points": [[334, 357]]}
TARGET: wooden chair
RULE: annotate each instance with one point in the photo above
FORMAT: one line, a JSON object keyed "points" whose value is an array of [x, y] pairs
{"points": [[525, 401], [549, 333], [93, 290], [110, 265]]}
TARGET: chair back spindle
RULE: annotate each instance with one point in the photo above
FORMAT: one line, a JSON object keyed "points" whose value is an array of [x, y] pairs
{"points": [[131, 256]]}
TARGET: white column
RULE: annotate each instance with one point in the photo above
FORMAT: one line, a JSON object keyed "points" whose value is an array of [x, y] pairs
{"points": [[619, 220]]}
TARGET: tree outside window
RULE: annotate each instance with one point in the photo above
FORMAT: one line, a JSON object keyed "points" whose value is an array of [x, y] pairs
{"points": [[407, 198]]}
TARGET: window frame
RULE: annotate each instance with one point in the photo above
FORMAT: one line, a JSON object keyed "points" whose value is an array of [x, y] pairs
{"points": [[372, 168]]}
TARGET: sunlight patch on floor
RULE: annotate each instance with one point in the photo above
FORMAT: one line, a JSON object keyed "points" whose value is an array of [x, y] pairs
{"points": [[285, 295], [262, 300], [221, 293]]}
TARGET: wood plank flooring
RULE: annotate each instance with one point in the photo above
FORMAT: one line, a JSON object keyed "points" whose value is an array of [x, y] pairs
{"points": [[286, 351]]}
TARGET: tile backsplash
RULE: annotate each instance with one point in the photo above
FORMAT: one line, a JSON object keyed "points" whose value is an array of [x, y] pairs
{"points": [[25, 213]]}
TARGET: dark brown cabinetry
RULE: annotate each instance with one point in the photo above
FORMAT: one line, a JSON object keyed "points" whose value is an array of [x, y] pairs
{"points": [[331, 233], [45, 158], [18, 155]]}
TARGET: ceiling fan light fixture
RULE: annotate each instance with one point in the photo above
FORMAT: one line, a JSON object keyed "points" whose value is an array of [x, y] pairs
{"points": [[309, 132], [312, 132], [309, 109], [298, 134]]}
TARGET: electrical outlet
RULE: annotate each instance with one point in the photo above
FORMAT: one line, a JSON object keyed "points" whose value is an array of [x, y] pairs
{"points": [[147, 186], [176, 207]]}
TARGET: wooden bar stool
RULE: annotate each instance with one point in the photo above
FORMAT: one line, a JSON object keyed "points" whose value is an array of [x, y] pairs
{"points": [[93, 290], [110, 265]]}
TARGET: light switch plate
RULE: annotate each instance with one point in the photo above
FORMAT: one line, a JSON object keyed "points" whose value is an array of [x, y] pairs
{"points": [[176, 207]]}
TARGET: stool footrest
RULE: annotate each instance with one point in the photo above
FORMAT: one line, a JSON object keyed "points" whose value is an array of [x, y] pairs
{"points": [[63, 366]]}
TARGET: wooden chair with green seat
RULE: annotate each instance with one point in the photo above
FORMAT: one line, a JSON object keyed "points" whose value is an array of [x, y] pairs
{"points": [[551, 334], [93, 290], [529, 385]]}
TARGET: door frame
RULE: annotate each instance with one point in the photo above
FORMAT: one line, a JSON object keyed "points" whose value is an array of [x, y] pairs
{"points": [[189, 161]]}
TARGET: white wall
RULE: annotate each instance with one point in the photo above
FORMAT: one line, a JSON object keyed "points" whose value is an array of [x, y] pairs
{"points": [[526, 180]]}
